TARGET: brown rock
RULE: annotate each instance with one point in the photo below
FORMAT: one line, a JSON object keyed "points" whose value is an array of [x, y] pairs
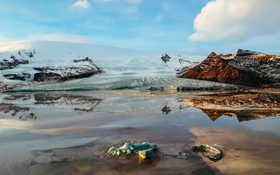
{"points": [[215, 68]]}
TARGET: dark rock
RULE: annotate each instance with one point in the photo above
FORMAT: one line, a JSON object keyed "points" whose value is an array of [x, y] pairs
{"points": [[18, 97], [21, 77], [241, 52], [165, 58], [42, 77], [166, 109], [82, 69], [87, 59]]}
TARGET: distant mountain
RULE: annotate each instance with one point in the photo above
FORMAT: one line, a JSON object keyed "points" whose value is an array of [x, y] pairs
{"points": [[60, 49]]}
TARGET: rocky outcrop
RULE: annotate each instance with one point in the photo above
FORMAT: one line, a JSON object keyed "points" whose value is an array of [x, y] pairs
{"points": [[246, 68], [21, 77], [11, 63], [265, 67], [82, 68], [22, 57]]}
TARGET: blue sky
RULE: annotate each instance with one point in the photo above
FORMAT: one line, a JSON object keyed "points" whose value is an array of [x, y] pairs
{"points": [[154, 25]]}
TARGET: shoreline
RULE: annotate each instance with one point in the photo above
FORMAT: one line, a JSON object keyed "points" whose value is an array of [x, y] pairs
{"points": [[259, 158]]}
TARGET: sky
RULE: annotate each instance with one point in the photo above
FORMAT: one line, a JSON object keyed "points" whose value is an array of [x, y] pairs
{"points": [[194, 27]]}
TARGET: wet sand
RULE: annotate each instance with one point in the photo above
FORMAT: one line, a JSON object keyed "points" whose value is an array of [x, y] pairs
{"points": [[64, 140], [242, 154]]}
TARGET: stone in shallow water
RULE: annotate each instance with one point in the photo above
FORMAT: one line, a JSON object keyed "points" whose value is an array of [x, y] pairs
{"points": [[212, 152]]}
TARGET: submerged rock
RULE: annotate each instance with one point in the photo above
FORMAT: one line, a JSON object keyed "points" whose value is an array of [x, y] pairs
{"points": [[214, 153], [246, 68]]}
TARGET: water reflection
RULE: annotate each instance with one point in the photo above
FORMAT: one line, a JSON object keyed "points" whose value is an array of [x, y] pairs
{"points": [[243, 106], [17, 105], [76, 102]]}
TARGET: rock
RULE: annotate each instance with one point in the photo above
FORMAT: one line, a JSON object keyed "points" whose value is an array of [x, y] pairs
{"points": [[166, 109], [81, 69], [265, 67], [247, 68], [12, 63], [165, 58], [43, 77], [21, 77], [214, 153]]}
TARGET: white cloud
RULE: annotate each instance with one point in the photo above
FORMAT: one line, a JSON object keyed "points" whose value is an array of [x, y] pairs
{"points": [[236, 20], [81, 4]]}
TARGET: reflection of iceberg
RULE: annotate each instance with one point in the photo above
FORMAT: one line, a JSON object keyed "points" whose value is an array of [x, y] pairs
{"points": [[244, 106], [242, 115], [13, 106], [12, 109], [77, 102]]}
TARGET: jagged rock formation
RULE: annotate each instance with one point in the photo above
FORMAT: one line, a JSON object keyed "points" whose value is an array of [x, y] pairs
{"points": [[21, 76], [246, 68], [83, 68], [12, 63], [265, 67]]}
